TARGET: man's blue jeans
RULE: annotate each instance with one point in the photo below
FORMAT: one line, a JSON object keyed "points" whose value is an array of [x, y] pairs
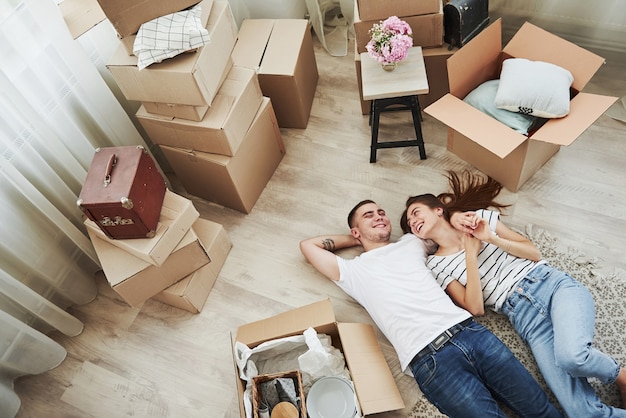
{"points": [[466, 376], [555, 315]]}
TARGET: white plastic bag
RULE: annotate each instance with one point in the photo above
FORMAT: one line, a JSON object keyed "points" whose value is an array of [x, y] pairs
{"points": [[322, 359]]}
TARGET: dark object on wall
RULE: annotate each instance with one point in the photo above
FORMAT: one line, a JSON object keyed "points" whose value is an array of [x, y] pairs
{"points": [[464, 19], [123, 192]]}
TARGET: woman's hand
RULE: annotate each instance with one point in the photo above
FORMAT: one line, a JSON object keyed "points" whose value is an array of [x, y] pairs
{"points": [[464, 221], [472, 245], [481, 230]]}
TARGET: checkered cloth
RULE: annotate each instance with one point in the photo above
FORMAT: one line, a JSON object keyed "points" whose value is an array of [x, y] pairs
{"points": [[169, 35]]}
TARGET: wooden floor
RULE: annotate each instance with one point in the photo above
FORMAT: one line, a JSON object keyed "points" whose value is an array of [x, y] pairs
{"points": [[158, 361]]}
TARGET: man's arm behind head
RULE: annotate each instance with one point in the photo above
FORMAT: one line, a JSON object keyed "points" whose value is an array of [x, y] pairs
{"points": [[319, 251]]}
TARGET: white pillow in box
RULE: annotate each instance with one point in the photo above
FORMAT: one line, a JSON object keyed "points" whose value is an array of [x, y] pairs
{"points": [[534, 88]]}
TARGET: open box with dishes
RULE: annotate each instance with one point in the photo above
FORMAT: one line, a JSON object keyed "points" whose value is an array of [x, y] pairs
{"points": [[361, 385], [478, 134]]}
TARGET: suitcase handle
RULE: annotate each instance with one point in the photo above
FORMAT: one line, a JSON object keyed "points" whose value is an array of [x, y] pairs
{"points": [[109, 168]]}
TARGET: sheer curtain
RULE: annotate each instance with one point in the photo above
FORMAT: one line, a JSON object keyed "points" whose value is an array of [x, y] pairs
{"points": [[55, 109]]}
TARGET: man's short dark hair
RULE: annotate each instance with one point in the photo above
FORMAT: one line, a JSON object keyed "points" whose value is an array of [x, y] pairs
{"points": [[354, 209]]}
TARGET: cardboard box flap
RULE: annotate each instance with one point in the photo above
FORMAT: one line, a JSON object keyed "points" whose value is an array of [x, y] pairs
{"points": [[251, 42], [292, 322], [476, 125], [536, 44], [286, 36], [585, 108], [477, 62], [374, 384], [81, 15]]}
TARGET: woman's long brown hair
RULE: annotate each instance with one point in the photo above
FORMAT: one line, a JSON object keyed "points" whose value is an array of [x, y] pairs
{"points": [[468, 192]]}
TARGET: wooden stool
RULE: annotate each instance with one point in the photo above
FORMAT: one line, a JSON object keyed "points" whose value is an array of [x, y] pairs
{"points": [[397, 89]]}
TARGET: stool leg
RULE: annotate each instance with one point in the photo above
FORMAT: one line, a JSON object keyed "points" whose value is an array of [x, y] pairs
{"points": [[375, 120], [417, 118]]}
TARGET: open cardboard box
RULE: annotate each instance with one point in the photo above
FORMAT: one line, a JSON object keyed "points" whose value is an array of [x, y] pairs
{"points": [[374, 384], [127, 16], [128, 40], [177, 216], [191, 78], [492, 147], [223, 127]]}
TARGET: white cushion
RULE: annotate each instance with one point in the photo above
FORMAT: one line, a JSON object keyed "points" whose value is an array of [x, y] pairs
{"points": [[482, 98], [534, 88]]}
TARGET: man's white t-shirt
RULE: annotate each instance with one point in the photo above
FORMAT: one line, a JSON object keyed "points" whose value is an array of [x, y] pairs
{"points": [[401, 295]]}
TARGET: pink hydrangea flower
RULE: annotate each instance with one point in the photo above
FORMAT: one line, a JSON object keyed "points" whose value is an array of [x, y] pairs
{"points": [[391, 40]]}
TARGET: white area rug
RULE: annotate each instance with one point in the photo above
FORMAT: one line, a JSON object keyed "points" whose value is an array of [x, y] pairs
{"points": [[609, 293]]}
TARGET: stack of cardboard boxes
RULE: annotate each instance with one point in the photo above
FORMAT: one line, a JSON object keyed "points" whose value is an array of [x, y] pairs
{"points": [[209, 115], [212, 115], [426, 21], [177, 266]]}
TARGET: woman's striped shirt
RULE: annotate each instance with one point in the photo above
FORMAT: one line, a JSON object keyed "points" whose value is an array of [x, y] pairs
{"points": [[499, 271]]}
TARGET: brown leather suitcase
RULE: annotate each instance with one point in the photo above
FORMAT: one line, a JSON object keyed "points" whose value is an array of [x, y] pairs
{"points": [[123, 192], [464, 19]]}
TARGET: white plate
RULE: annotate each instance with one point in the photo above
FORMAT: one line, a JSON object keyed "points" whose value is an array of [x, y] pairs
{"points": [[331, 397]]}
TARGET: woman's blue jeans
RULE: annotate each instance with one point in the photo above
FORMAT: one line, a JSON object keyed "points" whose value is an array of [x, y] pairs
{"points": [[555, 315], [464, 376]]}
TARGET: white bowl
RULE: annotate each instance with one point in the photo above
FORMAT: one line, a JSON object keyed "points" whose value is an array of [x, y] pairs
{"points": [[331, 397]]}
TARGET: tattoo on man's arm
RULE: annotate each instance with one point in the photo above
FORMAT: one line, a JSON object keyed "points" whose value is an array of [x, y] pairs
{"points": [[328, 244]]}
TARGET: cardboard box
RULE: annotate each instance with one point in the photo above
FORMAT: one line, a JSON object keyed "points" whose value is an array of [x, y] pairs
{"points": [[257, 381], [81, 15], [381, 10], [374, 384], [136, 280], [189, 79], [177, 216], [224, 125], [281, 51], [126, 16], [489, 145], [427, 29], [191, 293], [128, 41], [238, 181], [189, 112]]}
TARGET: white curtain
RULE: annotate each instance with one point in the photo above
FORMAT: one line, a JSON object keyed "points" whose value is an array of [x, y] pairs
{"points": [[55, 109]]}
